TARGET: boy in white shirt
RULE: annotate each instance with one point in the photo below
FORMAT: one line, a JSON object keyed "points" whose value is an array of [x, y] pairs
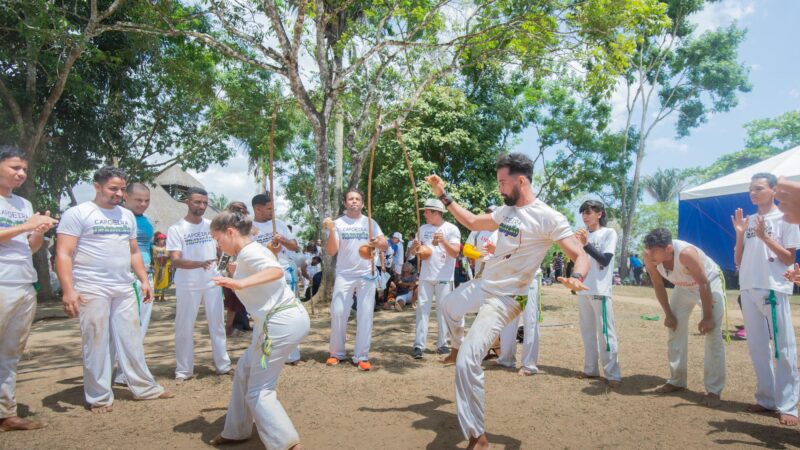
{"points": [[21, 235], [595, 310], [766, 247]]}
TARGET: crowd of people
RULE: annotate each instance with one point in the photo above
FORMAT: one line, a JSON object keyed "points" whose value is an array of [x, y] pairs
{"points": [[111, 263]]}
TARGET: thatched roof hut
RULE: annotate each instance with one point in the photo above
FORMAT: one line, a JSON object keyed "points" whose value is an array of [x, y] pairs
{"points": [[166, 198]]}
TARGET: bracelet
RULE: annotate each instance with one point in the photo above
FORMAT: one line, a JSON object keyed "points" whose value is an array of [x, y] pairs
{"points": [[446, 199]]}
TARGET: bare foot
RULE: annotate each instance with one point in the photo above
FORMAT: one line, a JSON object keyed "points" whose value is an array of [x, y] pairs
{"points": [[165, 395], [479, 443], [757, 409], [613, 384], [101, 409], [296, 447], [15, 423], [523, 372], [451, 358], [295, 363], [219, 440], [585, 376], [711, 400], [788, 420], [668, 389]]}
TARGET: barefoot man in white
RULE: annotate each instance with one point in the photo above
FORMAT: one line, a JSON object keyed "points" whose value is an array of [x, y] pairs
{"points": [[766, 247], [280, 324], [194, 254], [526, 229], [96, 252], [696, 278], [21, 235]]}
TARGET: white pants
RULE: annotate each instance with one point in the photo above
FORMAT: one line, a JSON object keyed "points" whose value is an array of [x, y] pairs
{"points": [[682, 302], [777, 388], [254, 396], [342, 301], [17, 308], [108, 310], [596, 345], [493, 316], [145, 310], [406, 298], [427, 291], [188, 304], [465, 299], [530, 344]]}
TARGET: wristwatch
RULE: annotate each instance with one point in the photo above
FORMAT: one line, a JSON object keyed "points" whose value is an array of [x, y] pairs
{"points": [[578, 275]]}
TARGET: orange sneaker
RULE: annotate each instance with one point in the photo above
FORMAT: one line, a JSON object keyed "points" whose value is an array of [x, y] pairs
{"points": [[332, 361], [364, 365]]}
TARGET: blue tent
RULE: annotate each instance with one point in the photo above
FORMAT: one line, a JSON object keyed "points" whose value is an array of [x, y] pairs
{"points": [[704, 211]]}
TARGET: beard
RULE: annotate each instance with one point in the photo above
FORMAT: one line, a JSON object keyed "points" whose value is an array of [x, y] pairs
{"points": [[511, 200]]}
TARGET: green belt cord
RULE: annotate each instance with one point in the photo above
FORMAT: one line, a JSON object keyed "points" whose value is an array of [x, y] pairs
{"points": [[605, 324], [539, 298], [266, 346], [772, 303], [138, 302], [725, 305]]}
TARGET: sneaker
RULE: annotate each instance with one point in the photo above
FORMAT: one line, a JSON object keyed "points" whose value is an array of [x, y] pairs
{"points": [[741, 334], [180, 380], [332, 361], [364, 365], [416, 353], [443, 350]]}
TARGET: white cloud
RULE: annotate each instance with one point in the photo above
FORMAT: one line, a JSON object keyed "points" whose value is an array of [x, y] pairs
{"points": [[721, 14], [667, 145]]}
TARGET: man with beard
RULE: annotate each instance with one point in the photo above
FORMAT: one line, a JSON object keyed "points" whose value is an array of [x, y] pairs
{"points": [[96, 252], [353, 277], [527, 227], [21, 235], [194, 255]]}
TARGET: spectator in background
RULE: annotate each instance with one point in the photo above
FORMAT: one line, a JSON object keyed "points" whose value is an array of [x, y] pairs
{"points": [[637, 266], [558, 264]]}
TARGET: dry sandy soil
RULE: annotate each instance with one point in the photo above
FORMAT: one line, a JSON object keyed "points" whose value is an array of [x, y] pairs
{"points": [[404, 403]]}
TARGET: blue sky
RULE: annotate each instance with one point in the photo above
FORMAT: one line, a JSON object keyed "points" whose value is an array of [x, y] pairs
{"points": [[774, 61]]}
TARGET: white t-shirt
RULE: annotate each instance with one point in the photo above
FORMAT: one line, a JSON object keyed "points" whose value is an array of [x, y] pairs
{"points": [[263, 298], [195, 244], [264, 237], [524, 236], [440, 266], [761, 268], [680, 275], [16, 259], [398, 259], [103, 254], [352, 234], [599, 279]]}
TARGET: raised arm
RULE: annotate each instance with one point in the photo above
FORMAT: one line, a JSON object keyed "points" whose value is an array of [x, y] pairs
{"points": [[483, 222]]}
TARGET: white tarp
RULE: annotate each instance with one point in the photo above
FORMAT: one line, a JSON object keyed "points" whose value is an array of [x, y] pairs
{"points": [[784, 164]]}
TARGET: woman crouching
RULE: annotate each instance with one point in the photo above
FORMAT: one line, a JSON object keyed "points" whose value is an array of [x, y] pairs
{"points": [[281, 323]]}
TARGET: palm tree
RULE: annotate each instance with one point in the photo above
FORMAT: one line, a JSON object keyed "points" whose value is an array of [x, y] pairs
{"points": [[218, 202], [664, 185]]}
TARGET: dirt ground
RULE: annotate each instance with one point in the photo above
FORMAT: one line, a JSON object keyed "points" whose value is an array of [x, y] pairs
{"points": [[404, 403]]}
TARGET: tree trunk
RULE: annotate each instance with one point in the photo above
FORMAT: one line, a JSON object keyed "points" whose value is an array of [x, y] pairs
{"points": [[631, 211], [41, 259], [338, 145], [323, 206]]}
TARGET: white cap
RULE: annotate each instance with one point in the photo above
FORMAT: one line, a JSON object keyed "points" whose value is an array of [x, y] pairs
{"points": [[397, 235]]}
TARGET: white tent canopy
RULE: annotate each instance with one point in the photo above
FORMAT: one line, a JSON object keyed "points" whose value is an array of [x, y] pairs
{"points": [[785, 164]]}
